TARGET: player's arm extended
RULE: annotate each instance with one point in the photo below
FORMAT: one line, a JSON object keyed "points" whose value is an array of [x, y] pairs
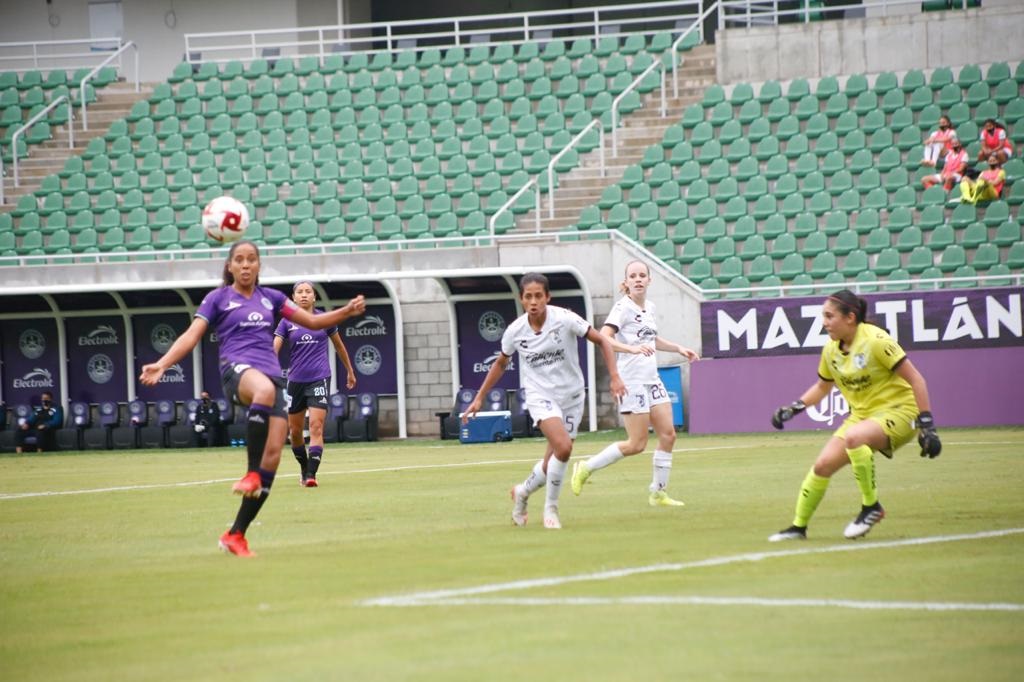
{"points": [[609, 331], [493, 375], [918, 385], [332, 318], [672, 347], [181, 347]]}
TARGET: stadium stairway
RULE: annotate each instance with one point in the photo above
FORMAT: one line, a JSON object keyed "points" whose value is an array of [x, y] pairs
{"points": [[582, 186], [113, 102]]}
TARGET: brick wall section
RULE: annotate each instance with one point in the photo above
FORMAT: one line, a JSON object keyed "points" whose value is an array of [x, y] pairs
{"points": [[428, 365]]}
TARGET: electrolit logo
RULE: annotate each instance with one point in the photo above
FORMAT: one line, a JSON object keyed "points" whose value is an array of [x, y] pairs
{"points": [[370, 325], [485, 366], [37, 378], [103, 335]]}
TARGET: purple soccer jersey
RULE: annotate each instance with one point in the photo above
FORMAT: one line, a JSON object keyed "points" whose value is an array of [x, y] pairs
{"points": [[310, 352], [245, 326]]}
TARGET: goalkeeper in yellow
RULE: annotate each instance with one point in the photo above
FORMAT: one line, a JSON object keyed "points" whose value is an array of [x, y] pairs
{"points": [[888, 401]]}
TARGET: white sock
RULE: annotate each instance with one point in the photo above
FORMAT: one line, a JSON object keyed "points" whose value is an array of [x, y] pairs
{"points": [[610, 455], [535, 480], [556, 471], [662, 468]]}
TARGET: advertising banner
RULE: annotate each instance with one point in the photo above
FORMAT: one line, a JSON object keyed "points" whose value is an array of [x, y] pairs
{"points": [[97, 369], [966, 387], [154, 335], [480, 325], [371, 341], [917, 320], [31, 360], [211, 365]]}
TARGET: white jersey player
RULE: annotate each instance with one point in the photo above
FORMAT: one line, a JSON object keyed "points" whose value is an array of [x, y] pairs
{"points": [[545, 338], [633, 322]]}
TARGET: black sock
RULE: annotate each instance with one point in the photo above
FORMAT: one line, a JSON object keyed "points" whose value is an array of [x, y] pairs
{"points": [[315, 453], [251, 505], [256, 434], [300, 457]]}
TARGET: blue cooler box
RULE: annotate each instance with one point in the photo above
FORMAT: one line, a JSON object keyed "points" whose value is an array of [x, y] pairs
{"points": [[487, 427]]}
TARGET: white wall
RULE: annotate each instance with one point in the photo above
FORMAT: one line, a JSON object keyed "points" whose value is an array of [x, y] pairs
{"points": [[829, 48]]}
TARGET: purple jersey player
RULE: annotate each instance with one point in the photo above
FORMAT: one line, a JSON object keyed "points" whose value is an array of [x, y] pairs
{"points": [[309, 377], [243, 315]]}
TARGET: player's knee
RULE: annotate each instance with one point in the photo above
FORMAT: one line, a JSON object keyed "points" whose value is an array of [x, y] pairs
{"points": [[634, 446]]}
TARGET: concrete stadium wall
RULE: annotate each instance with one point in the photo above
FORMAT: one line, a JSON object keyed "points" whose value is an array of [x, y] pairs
{"points": [[871, 45]]}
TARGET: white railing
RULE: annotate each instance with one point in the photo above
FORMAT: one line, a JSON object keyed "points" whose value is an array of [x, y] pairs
{"points": [[425, 34], [92, 74], [572, 143], [513, 199], [38, 52], [32, 121], [697, 25], [749, 13], [657, 64]]}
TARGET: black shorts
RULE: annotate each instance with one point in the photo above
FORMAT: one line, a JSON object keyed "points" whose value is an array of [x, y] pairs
{"points": [[231, 375], [306, 394]]}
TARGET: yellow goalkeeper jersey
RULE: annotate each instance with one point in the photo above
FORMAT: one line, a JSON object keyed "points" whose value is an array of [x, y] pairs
{"points": [[864, 371]]}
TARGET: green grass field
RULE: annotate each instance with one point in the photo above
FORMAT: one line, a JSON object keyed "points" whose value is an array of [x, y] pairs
{"points": [[109, 568]]}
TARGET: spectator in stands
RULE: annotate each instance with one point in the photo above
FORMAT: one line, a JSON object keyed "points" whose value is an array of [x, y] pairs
{"points": [[309, 379], [994, 140], [242, 313], [987, 187], [633, 322], [42, 424], [888, 401], [545, 338], [939, 143], [207, 422], [952, 169]]}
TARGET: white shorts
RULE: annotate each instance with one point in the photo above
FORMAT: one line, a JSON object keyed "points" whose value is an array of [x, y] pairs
{"points": [[570, 411], [640, 397]]}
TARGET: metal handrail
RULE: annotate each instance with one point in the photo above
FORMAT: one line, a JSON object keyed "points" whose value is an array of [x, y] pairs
{"points": [[565, 150], [658, 63], [92, 74], [504, 207], [699, 25], [32, 121], [2, 176], [749, 10], [35, 56]]}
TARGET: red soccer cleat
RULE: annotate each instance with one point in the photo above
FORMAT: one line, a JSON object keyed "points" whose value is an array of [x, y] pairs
{"points": [[310, 482], [235, 543], [249, 485]]}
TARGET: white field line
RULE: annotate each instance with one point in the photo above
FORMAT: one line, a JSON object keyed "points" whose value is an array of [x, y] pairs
{"points": [[668, 600], [437, 596], [379, 470]]}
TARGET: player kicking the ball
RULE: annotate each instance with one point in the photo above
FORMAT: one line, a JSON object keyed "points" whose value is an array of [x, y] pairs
{"points": [[888, 400], [545, 338]]}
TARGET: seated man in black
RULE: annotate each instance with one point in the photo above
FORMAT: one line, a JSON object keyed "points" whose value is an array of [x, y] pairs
{"points": [[207, 425], [41, 426]]}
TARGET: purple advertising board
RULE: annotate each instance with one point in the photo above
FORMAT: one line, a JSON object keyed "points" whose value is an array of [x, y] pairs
{"points": [[31, 360], [917, 320], [968, 344], [480, 325], [211, 365], [153, 336], [370, 341], [97, 369]]}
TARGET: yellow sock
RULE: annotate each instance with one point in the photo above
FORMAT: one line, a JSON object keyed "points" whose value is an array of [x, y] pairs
{"points": [[811, 492], [863, 461]]}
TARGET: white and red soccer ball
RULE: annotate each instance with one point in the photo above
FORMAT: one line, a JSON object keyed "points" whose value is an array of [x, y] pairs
{"points": [[225, 219]]}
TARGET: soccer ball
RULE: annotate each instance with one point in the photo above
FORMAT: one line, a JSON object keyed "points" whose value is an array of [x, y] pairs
{"points": [[225, 219]]}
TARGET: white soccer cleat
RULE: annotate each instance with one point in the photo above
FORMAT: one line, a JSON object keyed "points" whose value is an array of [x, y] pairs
{"points": [[867, 518], [519, 501], [551, 520]]}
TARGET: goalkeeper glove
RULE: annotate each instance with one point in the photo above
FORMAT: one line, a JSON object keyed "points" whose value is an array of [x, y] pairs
{"points": [[927, 438], [784, 414]]}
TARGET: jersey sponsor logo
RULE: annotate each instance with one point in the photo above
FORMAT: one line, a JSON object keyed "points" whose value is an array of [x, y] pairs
{"points": [[255, 319], [32, 343], [100, 368], [368, 360], [645, 333], [545, 359], [102, 335], [305, 340], [369, 325], [491, 326], [162, 337], [35, 378], [232, 305]]}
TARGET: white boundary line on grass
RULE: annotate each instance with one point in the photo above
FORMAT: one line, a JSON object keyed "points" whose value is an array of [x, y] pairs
{"points": [[666, 600], [378, 470], [433, 597]]}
